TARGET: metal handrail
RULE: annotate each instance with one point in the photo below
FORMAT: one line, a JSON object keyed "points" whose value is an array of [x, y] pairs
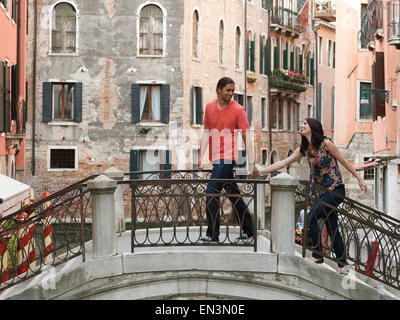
{"points": [[371, 238]]}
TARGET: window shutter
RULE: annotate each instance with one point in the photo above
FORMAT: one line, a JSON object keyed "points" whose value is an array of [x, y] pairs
{"points": [[262, 59], [268, 57], [380, 83], [2, 97], [199, 106], [134, 164], [374, 112], [292, 67], [191, 105], [47, 102], [312, 71], [135, 103], [285, 61], [276, 58], [301, 63], [165, 103], [7, 108], [78, 102], [252, 55]]}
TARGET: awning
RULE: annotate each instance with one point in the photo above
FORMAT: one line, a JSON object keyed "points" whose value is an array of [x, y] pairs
{"points": [[12, 192], [367, 165]]}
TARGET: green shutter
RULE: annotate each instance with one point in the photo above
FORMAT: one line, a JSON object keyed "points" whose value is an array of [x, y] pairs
{"points": [[312, 71], [2, 98], [165, 103], [47, 101], [292, 61], [252, 55], [135, 103], [78, 102], [262, 60]]}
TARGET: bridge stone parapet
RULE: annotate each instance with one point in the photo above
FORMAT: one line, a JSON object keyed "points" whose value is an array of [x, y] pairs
{"points": [[229, 273]]}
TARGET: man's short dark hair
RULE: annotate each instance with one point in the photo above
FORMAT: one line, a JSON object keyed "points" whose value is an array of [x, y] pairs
{"points": [[223, 82]]}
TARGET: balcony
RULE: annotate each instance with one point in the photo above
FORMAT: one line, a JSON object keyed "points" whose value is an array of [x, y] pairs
{"points": [[325, 10], [285, 20], [283, 80], [393, 28]]}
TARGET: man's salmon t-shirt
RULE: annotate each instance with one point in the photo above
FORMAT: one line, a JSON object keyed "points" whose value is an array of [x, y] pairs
{"points": [[224, 126]]}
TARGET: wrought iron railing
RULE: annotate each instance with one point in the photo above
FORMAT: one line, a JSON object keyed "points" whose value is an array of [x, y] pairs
{"points": [[371, 238], [168, 208], [48, 232], [285, 18]]}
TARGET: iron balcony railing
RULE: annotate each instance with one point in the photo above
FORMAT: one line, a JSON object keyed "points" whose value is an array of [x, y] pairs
{"points": [[393, 20], [46, 233], [371, 238], [285, 18], [168, 208]]}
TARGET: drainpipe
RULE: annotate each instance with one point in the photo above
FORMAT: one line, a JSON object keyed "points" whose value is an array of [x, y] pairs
{"points": [[18, 75], [316, 87], [34, 88]]}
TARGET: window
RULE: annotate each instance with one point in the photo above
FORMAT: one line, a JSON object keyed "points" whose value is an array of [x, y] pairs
{"points": [[196, 29], [238, 41], [221, 42], [195, 158], [320, 50], [150, 102], [280, 115], [273, 114], [196, 110], [150, 160], [364, 39], [369, 174], [264, 156], [63, 29], [263, 113], [289, 116], [62, 101], [334, 55], [251, 52], [365, 101], [5, 86], [249, 110], [329, 53], [151, 34], [309, 111], [265, 56], [62, 158], [298, 116], [239, 98]]}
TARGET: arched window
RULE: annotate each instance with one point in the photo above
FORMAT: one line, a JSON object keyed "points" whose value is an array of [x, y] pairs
{"points": [[221, 42], [238, 41], [151, 30], [196, 29], [63, 29]]}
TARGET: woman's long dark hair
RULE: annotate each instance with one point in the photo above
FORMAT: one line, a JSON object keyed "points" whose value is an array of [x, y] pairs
{"points": [[317, 135]]}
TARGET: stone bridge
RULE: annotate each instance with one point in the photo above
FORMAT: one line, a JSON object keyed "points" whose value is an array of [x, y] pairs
{"points": [[276, 270]]}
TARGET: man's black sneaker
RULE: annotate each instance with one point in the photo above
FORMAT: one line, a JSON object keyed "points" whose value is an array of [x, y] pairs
{"points": [[208, 239], [244, 238]]}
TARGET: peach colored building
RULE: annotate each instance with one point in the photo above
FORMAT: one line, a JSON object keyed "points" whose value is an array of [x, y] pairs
{"points": [[366, 120], [12, 87]]}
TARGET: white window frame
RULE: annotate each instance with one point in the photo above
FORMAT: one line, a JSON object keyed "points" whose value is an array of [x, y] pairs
{"points": [[164, 11], [49, 148], [51, 11]]}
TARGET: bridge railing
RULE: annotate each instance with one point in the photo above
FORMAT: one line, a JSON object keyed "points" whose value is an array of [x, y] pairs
{"points": [[176, 201], [371, 238], [48, 232]]}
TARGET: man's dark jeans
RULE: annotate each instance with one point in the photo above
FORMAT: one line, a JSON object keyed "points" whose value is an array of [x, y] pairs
{"points": [[223, 169], [330, 217]]}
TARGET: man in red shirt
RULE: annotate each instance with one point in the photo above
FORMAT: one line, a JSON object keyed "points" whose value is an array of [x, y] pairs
{"points": [[223, 120]]}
